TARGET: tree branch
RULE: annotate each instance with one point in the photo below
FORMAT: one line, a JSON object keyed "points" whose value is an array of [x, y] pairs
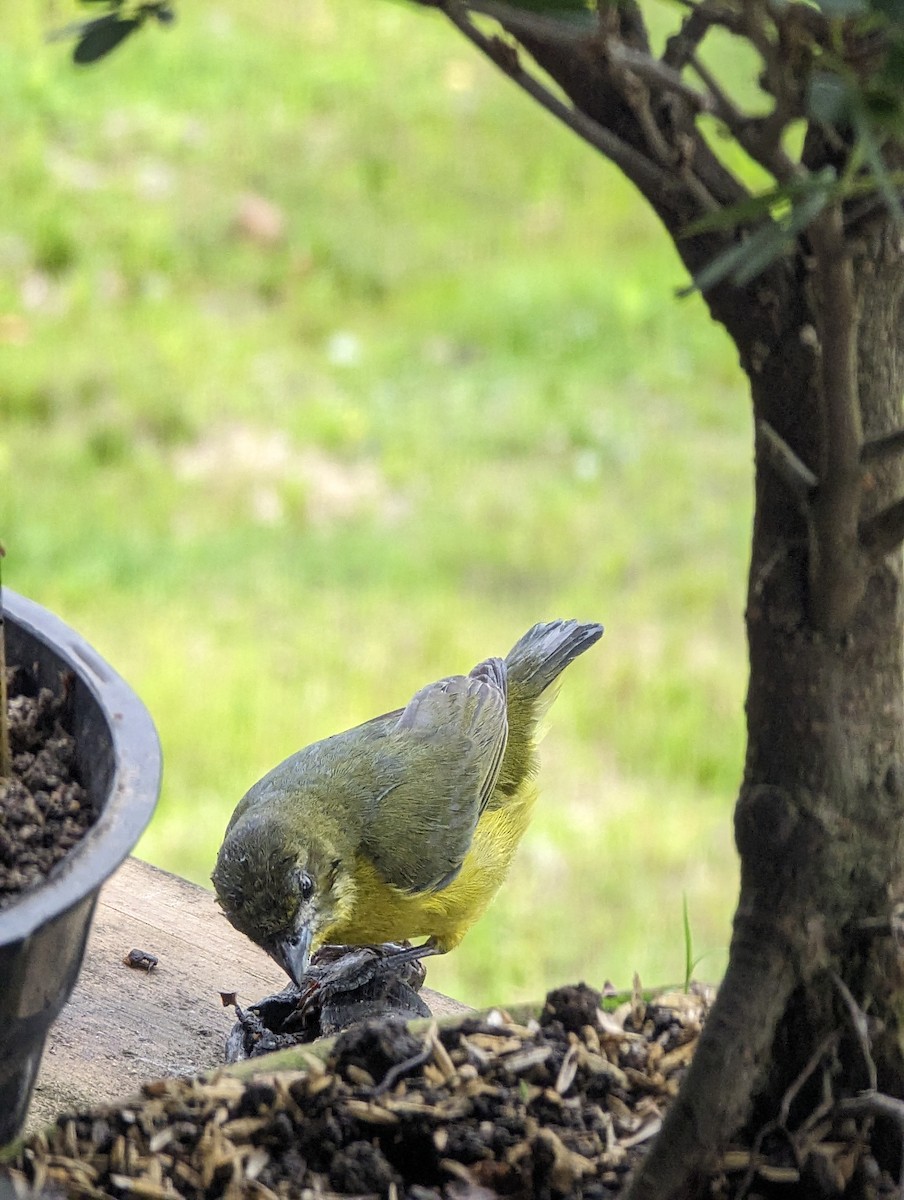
{"points": [[659, 74], [594, 82], [522, 21], [641, 79], [681, 45], [837, 576], [794, 473], [762, 142], [882, 534], [860, 1025], [873, 1104], [881, 448], [638, 168]]}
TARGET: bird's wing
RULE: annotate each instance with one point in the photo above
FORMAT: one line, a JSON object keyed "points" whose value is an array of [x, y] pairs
{"points": [[450, 740], [295, 772]]}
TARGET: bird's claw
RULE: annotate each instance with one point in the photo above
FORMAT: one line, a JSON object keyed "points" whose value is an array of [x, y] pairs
{"points": [[337, 970], [343, 985]]}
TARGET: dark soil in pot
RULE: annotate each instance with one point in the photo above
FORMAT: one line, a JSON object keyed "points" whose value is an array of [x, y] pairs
{"points": [[44, 810]]}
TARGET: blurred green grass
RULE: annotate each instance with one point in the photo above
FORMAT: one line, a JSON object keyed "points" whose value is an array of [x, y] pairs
{"points": [[282, 481]]}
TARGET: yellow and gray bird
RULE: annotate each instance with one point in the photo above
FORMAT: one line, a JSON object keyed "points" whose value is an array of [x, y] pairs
{"points": [[403, 827]]}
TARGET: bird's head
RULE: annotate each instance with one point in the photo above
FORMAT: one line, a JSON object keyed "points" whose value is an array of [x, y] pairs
{"points": [[282, 887]]}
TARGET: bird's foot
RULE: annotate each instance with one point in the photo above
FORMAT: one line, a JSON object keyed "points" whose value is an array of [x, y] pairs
{"points": [[342, 986], [341, 970]]}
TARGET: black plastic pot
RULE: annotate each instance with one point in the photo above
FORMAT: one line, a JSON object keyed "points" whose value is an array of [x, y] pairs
{"points": [[44, 933]]}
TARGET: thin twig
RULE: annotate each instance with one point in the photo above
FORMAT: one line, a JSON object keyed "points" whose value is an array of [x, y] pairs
{"points": [[637, 94], [829, 1042], [395, 1073], [880, 448], [720, 103], [873, 1104], [756, 1156], [860, 1027], [650, 178], [658, 73], [779, 1124], [639, 76], [883, 533], [691, 169], [794, 473], [681, 45], [747, 131], [837, 575]]}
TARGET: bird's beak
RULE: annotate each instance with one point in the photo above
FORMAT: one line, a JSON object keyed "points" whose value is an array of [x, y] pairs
{"points": [[292, 953]]}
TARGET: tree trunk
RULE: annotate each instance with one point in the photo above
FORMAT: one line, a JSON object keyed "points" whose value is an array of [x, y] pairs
{"points": [[818, 822]]}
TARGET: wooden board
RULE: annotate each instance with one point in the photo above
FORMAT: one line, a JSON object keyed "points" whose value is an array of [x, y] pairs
{"points": [[121, 1025]]}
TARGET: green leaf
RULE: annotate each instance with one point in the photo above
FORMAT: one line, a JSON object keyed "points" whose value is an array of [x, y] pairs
{"points": [[883, 105], [745, 260], [829, 99], [722, 265], [783, 197], [745, 212], [688, 944], [893, 67], [103, 35], [759, 258]]}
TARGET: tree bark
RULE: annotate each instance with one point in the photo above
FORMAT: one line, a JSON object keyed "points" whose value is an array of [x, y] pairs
{"points": [[818, 822]]}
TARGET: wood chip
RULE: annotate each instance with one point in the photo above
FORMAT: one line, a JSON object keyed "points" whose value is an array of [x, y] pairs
{"points": [[568, 1070], [143, 1188], [373, 1113]]}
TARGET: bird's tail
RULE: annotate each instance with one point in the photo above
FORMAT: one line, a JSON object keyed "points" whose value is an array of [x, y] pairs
{"points": [[531, 666], [544, 652]]}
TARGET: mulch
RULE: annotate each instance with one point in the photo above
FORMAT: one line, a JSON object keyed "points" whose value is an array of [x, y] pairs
{"points": [[563, 1106], [490, 1108]]}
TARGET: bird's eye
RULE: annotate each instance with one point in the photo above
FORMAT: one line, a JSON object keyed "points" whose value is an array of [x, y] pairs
{"points": [[305, 885]]}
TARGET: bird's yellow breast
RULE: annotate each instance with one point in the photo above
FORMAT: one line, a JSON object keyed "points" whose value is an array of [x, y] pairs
{"points": [[382, 913]]}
